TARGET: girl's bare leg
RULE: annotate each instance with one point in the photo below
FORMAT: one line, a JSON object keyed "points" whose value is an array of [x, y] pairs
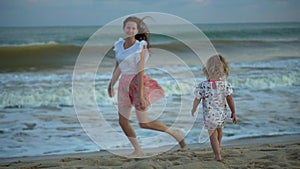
{"points": [[129, 132], [220, 135], [159, 126], [215, 144]]}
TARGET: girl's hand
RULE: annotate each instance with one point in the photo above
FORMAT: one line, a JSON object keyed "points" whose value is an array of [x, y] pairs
{"points": [[233, 116], [110, 91], [195, 105]]}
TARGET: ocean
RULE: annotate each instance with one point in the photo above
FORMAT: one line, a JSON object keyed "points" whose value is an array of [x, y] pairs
{"points": [[37, 112]]}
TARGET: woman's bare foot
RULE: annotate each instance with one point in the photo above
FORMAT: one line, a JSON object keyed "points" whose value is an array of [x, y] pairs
{"points": [[182, 144], [178, 136]]}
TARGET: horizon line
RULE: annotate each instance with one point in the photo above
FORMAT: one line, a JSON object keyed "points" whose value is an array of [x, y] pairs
{"points": [[94, 25]]}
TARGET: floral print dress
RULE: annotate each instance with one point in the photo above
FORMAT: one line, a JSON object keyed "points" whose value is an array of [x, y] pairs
{"points": [[213, 94]]}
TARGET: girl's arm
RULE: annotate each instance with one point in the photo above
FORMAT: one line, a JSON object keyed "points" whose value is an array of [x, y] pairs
{"points": [[115, 77], [141, 80], [231, 104], [195, 105]]}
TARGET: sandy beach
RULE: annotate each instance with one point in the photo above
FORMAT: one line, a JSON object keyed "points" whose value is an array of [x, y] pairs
{"points": [[261, 152], [39, 127]]}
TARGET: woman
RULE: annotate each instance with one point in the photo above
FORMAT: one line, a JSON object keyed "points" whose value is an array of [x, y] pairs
{"points": [[135, 87]]}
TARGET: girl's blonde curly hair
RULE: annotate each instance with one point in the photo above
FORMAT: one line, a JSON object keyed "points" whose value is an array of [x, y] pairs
{"points": [[216, 68]]}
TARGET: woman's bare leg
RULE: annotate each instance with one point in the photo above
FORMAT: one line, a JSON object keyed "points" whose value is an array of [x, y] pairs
{"points": [[129, 131], [146, 123]]}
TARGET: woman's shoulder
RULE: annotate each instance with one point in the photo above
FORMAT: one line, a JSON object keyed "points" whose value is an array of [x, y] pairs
{"points": [[119, 41], [141, 44], [118, 44]]}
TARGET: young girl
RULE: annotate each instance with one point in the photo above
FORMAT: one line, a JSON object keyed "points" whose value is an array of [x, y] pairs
{"points": [[135, 87], [214, 93]]}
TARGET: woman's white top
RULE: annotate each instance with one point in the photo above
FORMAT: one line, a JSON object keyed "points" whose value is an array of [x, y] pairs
{"points": [[129, 58]]}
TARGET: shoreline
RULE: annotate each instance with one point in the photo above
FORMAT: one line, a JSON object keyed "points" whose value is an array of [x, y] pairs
{"points": [[258, 151]]}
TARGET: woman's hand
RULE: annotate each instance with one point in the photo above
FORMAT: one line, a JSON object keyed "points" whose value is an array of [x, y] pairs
{"points": [[143, 103], [115, 77], [110, 91]]}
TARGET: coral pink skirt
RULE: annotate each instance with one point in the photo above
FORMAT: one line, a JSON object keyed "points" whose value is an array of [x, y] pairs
{"points": [[128, 93]]}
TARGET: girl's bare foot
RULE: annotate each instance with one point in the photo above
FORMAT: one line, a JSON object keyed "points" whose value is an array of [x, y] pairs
{"points": [[219, 159], [136, 154]]}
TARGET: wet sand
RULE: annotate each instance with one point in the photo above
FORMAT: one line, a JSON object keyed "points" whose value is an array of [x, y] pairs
{"points": [[261, 152]]}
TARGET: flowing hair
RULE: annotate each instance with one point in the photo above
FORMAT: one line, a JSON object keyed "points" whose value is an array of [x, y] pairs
{"points": [[143, 30], [216, 68]]}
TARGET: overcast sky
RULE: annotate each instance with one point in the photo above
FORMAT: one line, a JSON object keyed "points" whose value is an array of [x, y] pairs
{"points": [[100, 12]]}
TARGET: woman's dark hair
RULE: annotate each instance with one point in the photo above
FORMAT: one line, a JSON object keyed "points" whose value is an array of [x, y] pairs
{"points": [[141, 36], [143, 30]]}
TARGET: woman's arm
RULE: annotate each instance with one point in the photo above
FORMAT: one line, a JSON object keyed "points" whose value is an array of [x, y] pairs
{"points": [[140, 79], [115, 77]]}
